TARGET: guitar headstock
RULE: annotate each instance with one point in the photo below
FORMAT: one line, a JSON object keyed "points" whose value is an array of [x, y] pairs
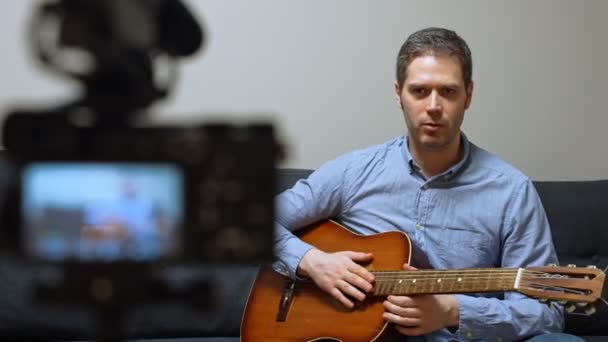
{"points": [[574, 287]]}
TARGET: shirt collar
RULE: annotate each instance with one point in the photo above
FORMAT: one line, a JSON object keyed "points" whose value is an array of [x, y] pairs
{"points": [[411, 163]]}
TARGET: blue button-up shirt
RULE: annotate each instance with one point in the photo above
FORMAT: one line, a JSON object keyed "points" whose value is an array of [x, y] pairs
{"points": [[482, 212]]}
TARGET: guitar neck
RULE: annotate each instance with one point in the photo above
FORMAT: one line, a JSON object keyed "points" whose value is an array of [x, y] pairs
{"points": [[447, 281]]}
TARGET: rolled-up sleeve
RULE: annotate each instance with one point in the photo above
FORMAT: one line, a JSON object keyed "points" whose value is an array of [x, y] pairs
{"points": [[310, 200]]}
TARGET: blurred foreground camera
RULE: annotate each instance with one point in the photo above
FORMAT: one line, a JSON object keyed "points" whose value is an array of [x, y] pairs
{"points": [[110, 194], [96, 182], [92, 189]]}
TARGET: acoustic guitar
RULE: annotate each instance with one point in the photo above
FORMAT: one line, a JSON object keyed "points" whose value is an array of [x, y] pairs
{"points": [[281, 309]]}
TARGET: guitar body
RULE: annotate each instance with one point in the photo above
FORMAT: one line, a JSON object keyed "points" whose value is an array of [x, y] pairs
{"points": [[306, 313]]}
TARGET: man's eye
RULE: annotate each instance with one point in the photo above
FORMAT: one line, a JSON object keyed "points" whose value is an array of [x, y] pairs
{"points": [[418, 91], [448, 91]]}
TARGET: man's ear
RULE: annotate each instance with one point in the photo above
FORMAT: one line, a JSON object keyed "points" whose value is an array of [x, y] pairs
{"points": [[398, 95], [469, 95]]}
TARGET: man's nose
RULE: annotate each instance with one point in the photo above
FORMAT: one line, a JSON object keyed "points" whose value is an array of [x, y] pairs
{"points": [[434, 104]]}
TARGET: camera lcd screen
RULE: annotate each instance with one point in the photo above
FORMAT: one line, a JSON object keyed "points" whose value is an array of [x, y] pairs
{"points": [[102, 212]]}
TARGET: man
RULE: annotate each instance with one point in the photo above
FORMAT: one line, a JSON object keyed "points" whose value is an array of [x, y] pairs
{"points": [[460, 205], [121, 227]]}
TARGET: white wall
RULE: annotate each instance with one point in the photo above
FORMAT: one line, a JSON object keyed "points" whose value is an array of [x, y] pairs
{"points": [[324, 71]]}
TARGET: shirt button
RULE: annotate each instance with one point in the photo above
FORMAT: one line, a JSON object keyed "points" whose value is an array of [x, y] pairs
{"points": [[425, 186], [469, 334], [418, 226]]}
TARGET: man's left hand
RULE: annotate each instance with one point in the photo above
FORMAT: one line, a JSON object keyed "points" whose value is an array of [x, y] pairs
{"points": [[421, 314]]}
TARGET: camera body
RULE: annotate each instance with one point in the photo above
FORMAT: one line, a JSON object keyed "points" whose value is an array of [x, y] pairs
{"points": [[122, 193]]}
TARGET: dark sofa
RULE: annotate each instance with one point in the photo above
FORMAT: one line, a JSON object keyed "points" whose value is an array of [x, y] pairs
{"points": [[575, 209]]}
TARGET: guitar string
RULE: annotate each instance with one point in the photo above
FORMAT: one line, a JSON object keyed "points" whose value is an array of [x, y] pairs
{"points": [[447, 274], [527, 276], [473, 270], [553, 288], [427, 280], [473, 274], [467, 275], [526, 282], [451, 272]]}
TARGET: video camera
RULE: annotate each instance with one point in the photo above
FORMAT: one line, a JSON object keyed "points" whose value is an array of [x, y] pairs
{"points": [[94, 188], [96, 182]]}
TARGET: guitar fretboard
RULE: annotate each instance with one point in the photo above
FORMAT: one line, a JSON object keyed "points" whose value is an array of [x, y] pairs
{"points": [[438, 282]]}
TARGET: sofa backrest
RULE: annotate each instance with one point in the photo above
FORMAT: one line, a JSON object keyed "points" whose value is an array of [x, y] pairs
{"points": [[577, 213]]}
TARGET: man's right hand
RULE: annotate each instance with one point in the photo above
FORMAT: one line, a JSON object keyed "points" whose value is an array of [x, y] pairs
{"points": [[339, 274]]}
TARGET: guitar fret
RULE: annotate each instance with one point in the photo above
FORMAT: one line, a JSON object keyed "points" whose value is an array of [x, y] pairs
{"points": [[384, 287]]}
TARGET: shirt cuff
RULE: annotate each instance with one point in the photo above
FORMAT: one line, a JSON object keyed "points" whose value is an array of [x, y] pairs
{"points": [[290, 256]]}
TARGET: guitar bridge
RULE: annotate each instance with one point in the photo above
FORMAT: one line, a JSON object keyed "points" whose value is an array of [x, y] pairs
{"points": [[285, 302]]}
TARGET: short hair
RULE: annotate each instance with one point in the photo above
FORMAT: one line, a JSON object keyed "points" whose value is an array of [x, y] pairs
{"points": [[434, 41]]}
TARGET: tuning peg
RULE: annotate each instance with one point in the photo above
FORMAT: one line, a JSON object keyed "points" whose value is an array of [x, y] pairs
{"points": [[571, 265], [570, 307], [543, 300], [562, 302], [589, 309], [591, 266], [552, 265], [581, 304]]}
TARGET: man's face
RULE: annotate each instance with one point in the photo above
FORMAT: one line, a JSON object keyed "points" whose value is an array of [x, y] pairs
{"points": [[433, 99]]}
